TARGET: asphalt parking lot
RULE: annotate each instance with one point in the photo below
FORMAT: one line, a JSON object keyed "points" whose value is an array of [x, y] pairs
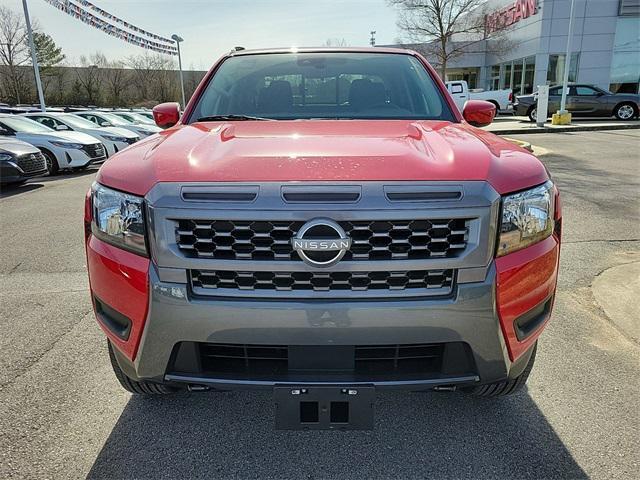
{"points": [[63, 415]]}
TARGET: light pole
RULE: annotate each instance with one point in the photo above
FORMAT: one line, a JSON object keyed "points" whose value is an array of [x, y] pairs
{"points": [[563, 117], [34, 57], [179, 39]]}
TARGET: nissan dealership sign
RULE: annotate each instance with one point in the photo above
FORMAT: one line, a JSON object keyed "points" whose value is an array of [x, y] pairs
{"points": [[512, 13]]}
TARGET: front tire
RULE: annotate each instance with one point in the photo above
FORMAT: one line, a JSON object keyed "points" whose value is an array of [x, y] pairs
{"points": [[52, 163], [506, 387], [133, 386], [625, 111]]}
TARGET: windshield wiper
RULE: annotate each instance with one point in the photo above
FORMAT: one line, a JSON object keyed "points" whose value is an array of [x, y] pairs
{"points": [[216, 118]]}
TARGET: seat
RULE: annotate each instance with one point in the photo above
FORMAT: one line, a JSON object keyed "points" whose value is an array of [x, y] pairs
{"points": [[277, 97], [364, 94]]}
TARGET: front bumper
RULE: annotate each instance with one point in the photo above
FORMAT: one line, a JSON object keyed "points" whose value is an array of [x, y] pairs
{"points": [[491, 316], [475, 316], [10, 172]]}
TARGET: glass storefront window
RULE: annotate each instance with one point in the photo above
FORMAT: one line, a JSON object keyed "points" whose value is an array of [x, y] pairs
{"points": [[517, 78], [625, 63], [529, 74], [506, 76], [555, 72], [494, 80]]}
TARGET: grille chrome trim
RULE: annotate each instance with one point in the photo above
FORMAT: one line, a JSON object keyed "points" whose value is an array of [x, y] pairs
{"points": [[479, 202], [375, 240], [31, 163], [315, 284]]}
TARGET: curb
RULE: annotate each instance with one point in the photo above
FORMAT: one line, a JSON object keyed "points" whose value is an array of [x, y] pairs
{"points": [[523, 144], [583, 128]]}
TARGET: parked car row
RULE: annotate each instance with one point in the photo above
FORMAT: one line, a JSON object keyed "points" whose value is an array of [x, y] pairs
{"points": [[583, 100], [34, 143]]}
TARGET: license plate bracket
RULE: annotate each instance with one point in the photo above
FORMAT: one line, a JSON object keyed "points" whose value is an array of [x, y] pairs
{"points": [[324, 407]]}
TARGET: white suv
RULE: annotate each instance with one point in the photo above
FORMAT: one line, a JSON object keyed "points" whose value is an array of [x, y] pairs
{"points": [[107, 119], [62, 149], [115, 139]]}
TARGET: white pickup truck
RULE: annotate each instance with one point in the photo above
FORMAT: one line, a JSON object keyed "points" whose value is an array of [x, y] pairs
{"points": [[502, 99]]}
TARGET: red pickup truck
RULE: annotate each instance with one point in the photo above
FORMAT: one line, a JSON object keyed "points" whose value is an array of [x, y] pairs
{"points": [[323, 223]]}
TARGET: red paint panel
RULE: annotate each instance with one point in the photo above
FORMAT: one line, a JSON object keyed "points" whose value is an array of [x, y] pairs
{"points": [[323, 150], [525, 279], [120, 279]]}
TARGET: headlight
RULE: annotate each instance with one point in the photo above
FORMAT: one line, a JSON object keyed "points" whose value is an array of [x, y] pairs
{"points": [[118, 218], [67, 144], [527, 218], [113, 138], [5, 156]]}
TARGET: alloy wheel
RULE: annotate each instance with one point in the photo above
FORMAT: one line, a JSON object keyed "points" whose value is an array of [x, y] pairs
{"points": [[625, 112]]}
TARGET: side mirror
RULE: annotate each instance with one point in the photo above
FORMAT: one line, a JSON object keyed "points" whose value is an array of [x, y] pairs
{"points": [[62, 127], [166, 114], [478, 113], [105, 124]]}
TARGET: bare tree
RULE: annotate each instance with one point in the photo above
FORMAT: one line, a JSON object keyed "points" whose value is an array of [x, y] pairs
{"points": [[89, 78], [335, 42], [154, 77], [14, 52], [433, 24], [116, 79]]}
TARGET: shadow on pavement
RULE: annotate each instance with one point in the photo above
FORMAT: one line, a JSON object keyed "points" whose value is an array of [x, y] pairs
{"points": [[417, 435], [11, 190], [69, 174], [38, 182]]}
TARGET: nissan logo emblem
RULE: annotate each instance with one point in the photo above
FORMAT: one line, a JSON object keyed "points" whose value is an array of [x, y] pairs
{"points": [[321, 242]]}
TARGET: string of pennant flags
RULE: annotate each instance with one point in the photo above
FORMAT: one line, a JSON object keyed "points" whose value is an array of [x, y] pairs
{"points": [[79, 13], [128, 25]]}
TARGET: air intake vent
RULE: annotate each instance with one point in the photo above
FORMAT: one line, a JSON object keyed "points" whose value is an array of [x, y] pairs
{"points": [[321, 194], [241, 194], [397, 193]]}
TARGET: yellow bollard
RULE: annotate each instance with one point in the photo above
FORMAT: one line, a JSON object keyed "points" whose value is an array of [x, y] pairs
{"points": [[559, 118]]}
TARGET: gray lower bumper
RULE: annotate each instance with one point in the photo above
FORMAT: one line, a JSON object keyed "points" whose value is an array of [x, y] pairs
{"points": [[468, 317]]}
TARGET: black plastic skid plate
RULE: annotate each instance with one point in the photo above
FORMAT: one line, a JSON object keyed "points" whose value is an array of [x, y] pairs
{"points": [[324, 408]]}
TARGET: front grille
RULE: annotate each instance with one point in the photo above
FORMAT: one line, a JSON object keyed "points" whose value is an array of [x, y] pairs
{"points": [[95, 150], [359, 361], [221, 280], [371, 240], [32, 163], [417, 358]]}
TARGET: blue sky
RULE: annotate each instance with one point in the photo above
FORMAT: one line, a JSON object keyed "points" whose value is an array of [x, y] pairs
{"points": [[211, 27]]}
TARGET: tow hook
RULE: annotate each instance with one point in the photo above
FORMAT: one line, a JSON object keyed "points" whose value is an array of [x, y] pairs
{"points": [[445, 388], [197, 388]]}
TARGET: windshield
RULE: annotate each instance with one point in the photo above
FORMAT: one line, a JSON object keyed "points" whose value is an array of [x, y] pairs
{"points": [[24, 125], [76, 122], [343, 85], [114, 119], [141, 118]]}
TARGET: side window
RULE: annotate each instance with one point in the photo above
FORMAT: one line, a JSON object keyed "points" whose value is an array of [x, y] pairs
{"points": [[456, 88], [554, 91], [586, 92], [46, 121]]}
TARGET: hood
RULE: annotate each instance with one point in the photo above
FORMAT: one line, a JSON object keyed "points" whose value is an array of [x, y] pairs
{"points": [[16, 147], [147, 128], [117, 131], [322, 150], [76, 137]]}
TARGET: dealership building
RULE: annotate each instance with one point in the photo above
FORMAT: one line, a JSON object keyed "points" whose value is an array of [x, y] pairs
{"points": [[531, 52]]}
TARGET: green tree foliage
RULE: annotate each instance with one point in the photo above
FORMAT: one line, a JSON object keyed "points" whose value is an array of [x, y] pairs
{"points": [[47, 52]]}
